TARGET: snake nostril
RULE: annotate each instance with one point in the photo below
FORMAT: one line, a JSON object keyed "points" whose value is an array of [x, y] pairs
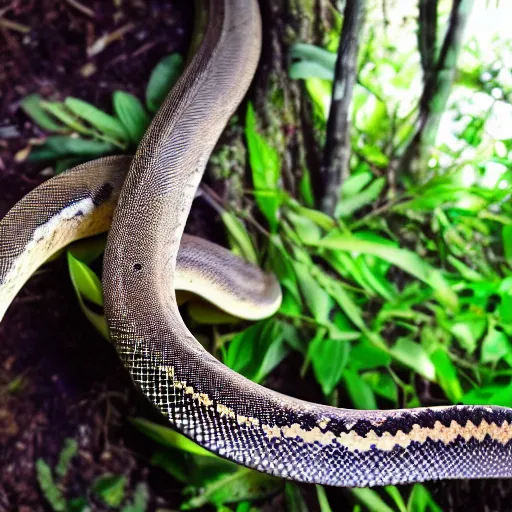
{"points": [[137, 267]]}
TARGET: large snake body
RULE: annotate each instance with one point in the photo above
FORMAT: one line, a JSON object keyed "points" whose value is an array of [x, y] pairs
{"points": [[202, 398]]}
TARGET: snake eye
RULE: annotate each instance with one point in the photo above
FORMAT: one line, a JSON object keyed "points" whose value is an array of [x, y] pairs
{"points": [[137, 267]]}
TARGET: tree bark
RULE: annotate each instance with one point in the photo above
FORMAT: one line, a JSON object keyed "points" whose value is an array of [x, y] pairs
{"points": [[337, 144]]}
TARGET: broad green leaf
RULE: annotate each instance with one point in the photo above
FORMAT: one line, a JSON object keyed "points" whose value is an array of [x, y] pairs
{"points": [[489, 395], [51, 491], [162, 80], [329, 358], [359, 391], [110, 489], [32, 105], [347, 206], [244, 484], [168, 437], [85, 280], [413, 356], [130, 111], [446, 375], [355, 183], [69, 450], [371, 499], [495, 346], [308, 69], [366, 356], [381, 384], [58, 146], [321, 60], [102, 121], [239, 236], [402, 258], [265, 168], [256, 351]]}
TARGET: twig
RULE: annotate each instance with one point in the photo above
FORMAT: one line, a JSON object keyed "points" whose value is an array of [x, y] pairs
{"points": [[337, 144], [82, 8], [14, 26], [436, 91]]}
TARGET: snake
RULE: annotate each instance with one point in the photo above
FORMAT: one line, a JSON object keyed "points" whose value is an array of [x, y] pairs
{"points": [[145, 209]]}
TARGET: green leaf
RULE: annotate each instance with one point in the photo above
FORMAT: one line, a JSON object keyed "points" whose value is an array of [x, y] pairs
{"points": [[446, 375], [32, 105], [311, 62], [239, 236], [316, 298], [366, 356], [257, 350], [88, 286], [329, 358], [396, 497], [69, 450], [162, 80], [506, 234], [381, 384], [130, 111], [346, 207], [110, 489], [500, 395], [64, 115], [371, 499], [495, 346], [322, 499], [168, 437], [243, 484], [58, 146], [173, 462], [307, 230], [140, 501], [402, 258], [85, 281], [102, 121], [413, 356], [355, 183], [50, 490], [294, 499], [265, 168], [359, 391], [420, 500]]}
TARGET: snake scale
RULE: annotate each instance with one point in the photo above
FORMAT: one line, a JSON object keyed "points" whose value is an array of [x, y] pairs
{"points": [[208, 402]]}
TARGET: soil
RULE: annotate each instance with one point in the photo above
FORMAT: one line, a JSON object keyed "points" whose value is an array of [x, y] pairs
{"points": [[58, 378]]}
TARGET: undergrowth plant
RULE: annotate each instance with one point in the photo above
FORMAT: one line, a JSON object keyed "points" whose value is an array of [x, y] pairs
{"points": [[404, 284]]}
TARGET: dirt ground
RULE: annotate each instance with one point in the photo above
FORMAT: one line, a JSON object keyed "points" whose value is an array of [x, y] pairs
{"points": [[58, 378]]}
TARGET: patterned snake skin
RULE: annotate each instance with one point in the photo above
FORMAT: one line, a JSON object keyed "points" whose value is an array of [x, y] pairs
{"points": [[202, 398]]}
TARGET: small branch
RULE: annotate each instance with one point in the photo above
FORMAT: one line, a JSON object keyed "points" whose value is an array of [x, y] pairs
{"points": [[337, 144], [436, 93]]}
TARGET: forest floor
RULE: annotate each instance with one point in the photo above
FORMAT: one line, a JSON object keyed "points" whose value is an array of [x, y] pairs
{"points": [[58, 378]]}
